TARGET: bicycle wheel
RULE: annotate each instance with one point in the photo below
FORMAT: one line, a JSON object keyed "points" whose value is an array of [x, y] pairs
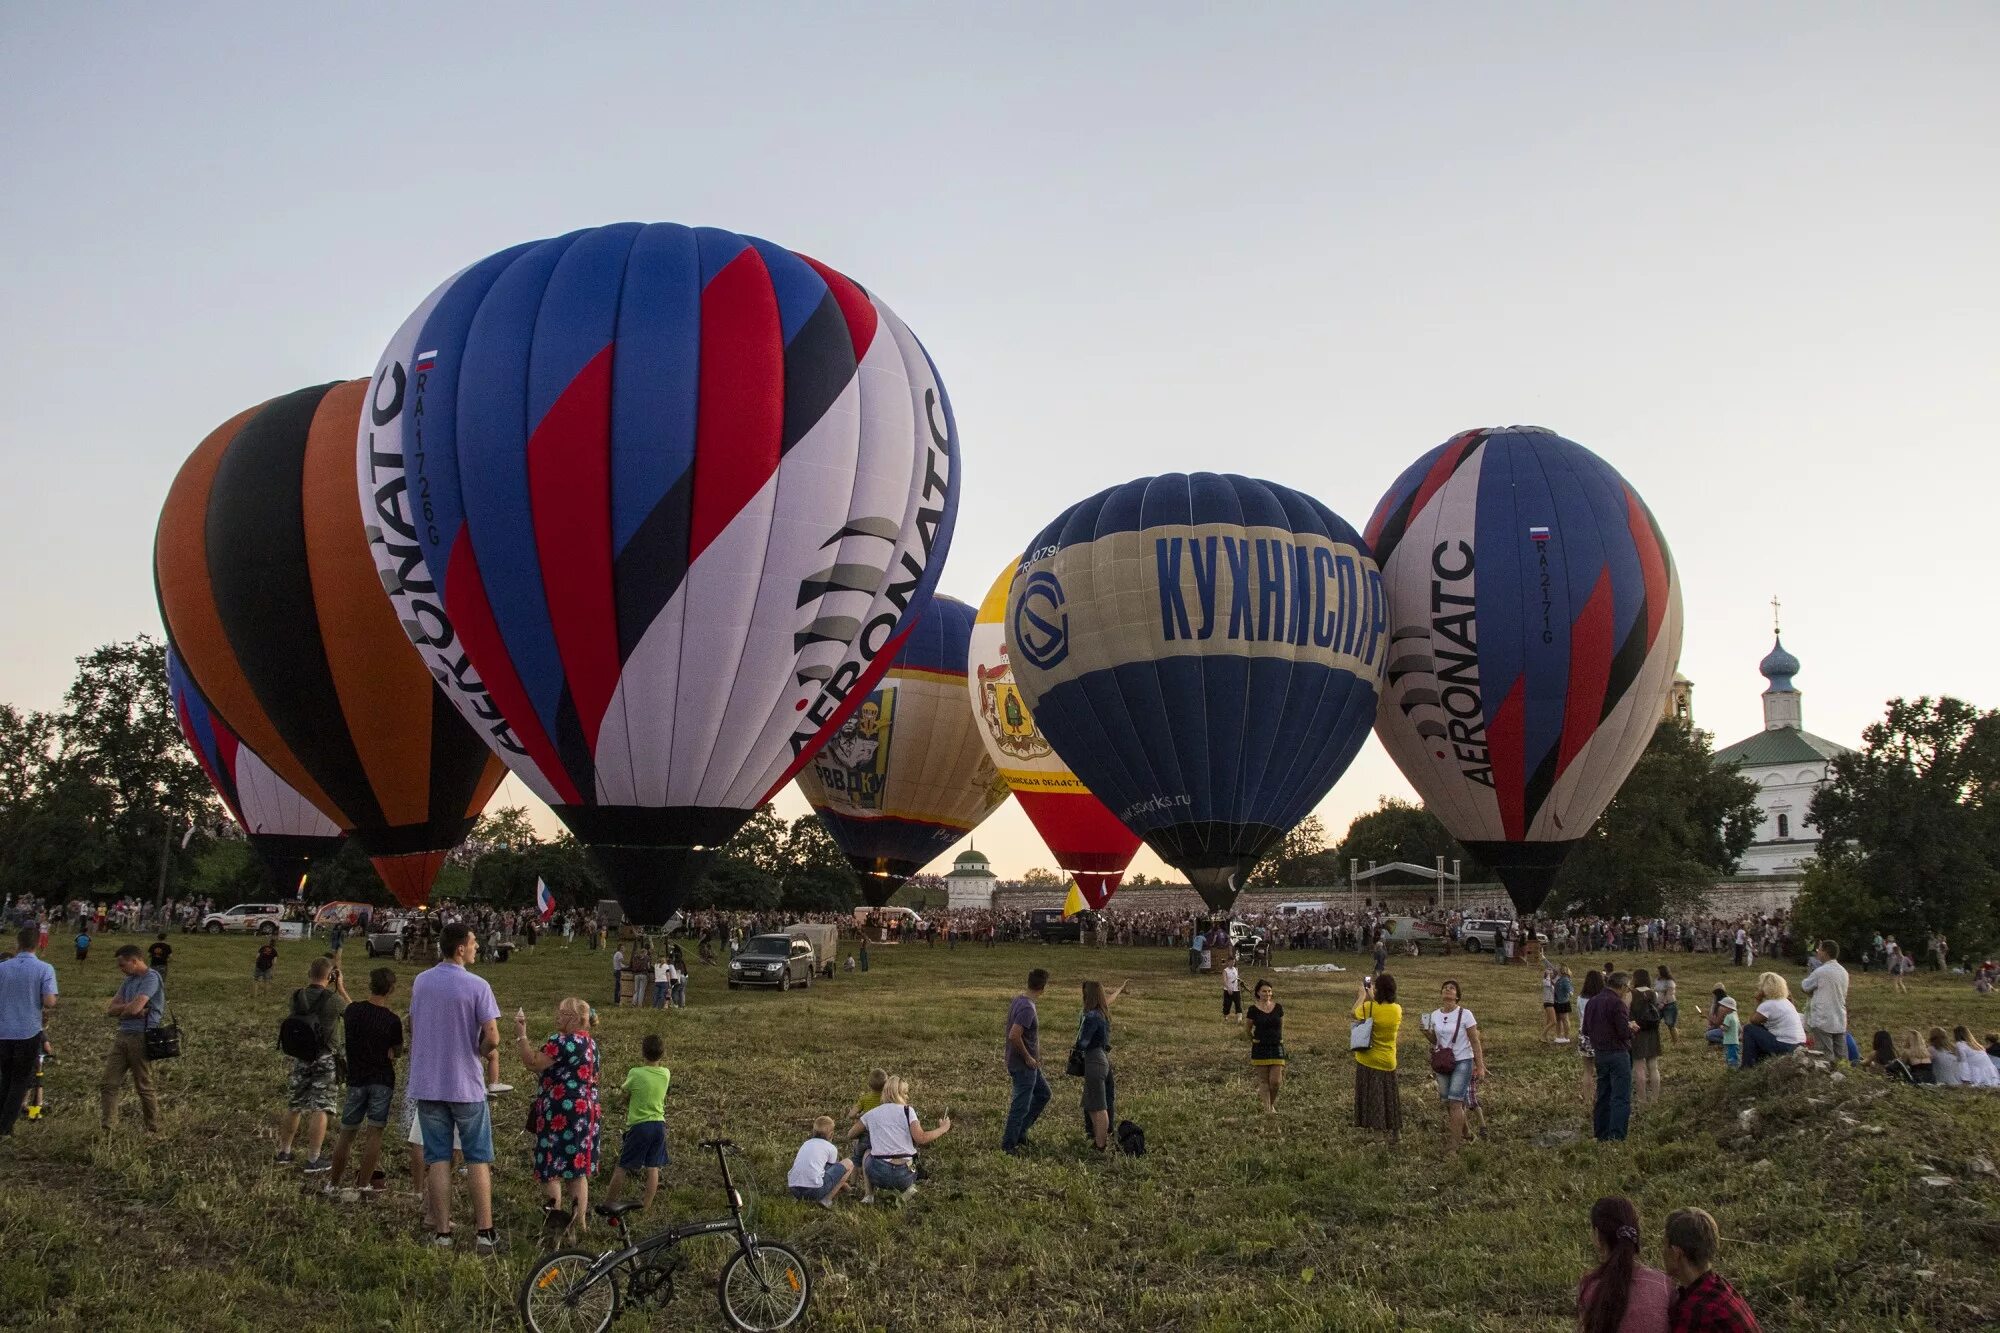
{"points": [[765, 1289], [555, 1298]]}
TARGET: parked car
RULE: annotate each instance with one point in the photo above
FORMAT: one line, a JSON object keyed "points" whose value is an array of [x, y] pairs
{"points": [[1245, 938], [772, 960], [388, 939], [245, 919], [1477, 935]]}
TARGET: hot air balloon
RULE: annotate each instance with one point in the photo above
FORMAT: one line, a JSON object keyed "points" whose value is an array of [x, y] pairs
{"points": [[906, 776], [1204, 652], [273, 603], [1536, 624], [1088, 841], [657, 505], [285, 829]]}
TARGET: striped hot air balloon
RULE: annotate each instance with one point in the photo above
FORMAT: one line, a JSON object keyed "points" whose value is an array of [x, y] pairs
{"points": [[273, 603], [1535, 627], [1204, 651], [1086, 839], [658, 504], [907, 776], [285, 829]]}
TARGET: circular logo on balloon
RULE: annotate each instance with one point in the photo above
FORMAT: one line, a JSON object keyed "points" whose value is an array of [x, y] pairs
{"points": [[1041, 627]]}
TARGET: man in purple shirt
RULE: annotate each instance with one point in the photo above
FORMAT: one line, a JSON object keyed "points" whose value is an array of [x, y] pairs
{"points": [[1608, 1026], [1024, 1064], [454, 1026]]}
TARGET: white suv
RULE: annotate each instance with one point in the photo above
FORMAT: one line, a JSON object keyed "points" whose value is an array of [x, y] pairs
{"points": [[244, 919]]}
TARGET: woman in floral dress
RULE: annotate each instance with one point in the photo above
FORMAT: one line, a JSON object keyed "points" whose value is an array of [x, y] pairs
{"points": [[564, 1116]]}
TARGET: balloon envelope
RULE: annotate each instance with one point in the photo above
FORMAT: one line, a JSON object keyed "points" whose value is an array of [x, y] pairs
{"points": [[1204, 652], [1088, 841], [285, 829], [657, 505], [1536, 624], [273, 603], [907, 775]]}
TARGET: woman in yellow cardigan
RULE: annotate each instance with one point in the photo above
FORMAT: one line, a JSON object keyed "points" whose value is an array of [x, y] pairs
{"points": [[1377, 1105]]}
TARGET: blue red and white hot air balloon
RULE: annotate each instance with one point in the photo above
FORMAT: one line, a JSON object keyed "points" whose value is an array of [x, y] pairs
{"points": [[1535, 626], [657, 505]]}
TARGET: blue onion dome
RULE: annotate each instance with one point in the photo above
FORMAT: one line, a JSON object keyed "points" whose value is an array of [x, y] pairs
{"points": [[1779, 666]]}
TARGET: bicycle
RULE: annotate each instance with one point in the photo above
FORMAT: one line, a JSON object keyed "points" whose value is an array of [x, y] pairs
{"points": [[763, 1286]]}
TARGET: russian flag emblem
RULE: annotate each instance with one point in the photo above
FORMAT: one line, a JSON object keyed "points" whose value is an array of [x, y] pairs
{"points": [[425, 360], [1538, 534]]}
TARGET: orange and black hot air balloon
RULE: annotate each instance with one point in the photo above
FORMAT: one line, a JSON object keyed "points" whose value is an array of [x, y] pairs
{"points": [[271, 598]]}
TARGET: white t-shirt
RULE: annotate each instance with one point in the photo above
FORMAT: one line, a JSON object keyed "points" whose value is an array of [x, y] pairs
{"points": [[1231, 978], [1782, 1021], [1452, 1029], [809, 1167], [663, 972], [888, 1127], [1945, 1070]]}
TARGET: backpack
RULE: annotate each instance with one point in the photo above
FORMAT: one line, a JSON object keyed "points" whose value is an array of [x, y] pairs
{"points": [[1131, 1139], [297, 1037]]}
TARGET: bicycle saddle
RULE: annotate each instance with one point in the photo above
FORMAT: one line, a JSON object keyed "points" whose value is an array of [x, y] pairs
{"points": [[618, 1209]]}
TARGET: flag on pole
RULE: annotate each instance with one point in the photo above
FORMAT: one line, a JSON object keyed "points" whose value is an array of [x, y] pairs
{"points": [[545, 902], [1074, 903]]}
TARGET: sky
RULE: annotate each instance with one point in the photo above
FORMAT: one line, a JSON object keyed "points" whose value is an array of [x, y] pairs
{"points": [[1745, 253]]}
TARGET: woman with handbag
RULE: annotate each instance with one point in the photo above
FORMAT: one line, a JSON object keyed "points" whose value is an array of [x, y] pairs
{"points": [[1265, 1025], [1093, 1043], [1458, 1059], [1377, 1020], [1646, 1011]]}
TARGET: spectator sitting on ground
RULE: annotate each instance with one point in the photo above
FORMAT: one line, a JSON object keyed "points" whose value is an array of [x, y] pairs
{"points": [[1917, 1055], [1887, 1062], [1705, 1302], [1945, 1071], [1777, 1028], [1620, 1295], [1975, 1067], [819, 1173]]}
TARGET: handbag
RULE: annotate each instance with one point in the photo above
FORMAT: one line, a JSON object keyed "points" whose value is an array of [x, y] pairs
{"points": [[1075, 1066], [164, 1041], [1362, 1034], [1442, 1059]]}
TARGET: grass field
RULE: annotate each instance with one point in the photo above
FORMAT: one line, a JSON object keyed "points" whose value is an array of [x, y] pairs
{"points": [[1232, 1220]]}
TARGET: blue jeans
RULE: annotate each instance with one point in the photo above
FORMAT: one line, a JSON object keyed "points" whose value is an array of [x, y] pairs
{"points": [[1758, 1043], [884, 1174], [1614, 1095], [1031, 1094], [659, 995], [472, 1122]]}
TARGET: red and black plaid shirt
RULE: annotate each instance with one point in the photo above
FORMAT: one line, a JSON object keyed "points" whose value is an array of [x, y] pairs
{"points": [[1710, 1305]]}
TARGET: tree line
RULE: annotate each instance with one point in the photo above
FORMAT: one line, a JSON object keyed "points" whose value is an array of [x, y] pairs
{"points": [[102, 798]]}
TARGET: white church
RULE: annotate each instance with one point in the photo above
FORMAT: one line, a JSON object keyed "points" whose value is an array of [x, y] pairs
{"points": [[1788, 764]]}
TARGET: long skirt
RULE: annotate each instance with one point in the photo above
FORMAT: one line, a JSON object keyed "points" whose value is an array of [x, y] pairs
{"points": [[1377, 1104]]}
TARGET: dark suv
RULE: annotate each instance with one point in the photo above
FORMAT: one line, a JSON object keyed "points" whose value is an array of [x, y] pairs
{"points": [[772, 960]]}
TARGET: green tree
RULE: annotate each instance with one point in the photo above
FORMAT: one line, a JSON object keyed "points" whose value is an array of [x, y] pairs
{"points": [[507, 827], [1041, 877], [1297, 860], [1677, 825], [817, 877], [1399, 830], [1911, 822]]}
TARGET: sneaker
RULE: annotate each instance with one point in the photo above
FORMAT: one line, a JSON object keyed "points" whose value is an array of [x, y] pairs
{"points": [[910, 1193], [440, 1240], [281, 1159], [319, 1165], [486, 1243], [826, 1204], [868, 1197], [495, 1089]]}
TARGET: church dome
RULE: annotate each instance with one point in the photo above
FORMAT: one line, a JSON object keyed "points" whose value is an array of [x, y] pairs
{"points": [[970, 862], [1779, 666]]}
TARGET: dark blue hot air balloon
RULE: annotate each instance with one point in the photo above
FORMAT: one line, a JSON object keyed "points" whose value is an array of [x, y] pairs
{"points": [[1205, 653]]}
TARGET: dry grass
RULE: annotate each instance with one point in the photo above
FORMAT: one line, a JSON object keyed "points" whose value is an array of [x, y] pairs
{"points": [[1232, 1221]]}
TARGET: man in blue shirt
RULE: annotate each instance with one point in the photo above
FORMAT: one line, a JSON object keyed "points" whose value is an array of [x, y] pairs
{"points": [[136, 1007], [27, 991]]}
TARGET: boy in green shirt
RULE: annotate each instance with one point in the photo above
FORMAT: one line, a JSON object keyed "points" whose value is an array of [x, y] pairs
{"points": [[645, 1145]]}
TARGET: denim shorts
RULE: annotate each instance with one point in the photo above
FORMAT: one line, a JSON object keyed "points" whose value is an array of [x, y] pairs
{"points": [[1453, 1087], [832, 1176], [367, 1101], [471, 1123], [645, 1146], [886, 1175]]}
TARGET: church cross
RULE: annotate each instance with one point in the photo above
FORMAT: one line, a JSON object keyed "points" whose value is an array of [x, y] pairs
{"points": [[1774, 616]]}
